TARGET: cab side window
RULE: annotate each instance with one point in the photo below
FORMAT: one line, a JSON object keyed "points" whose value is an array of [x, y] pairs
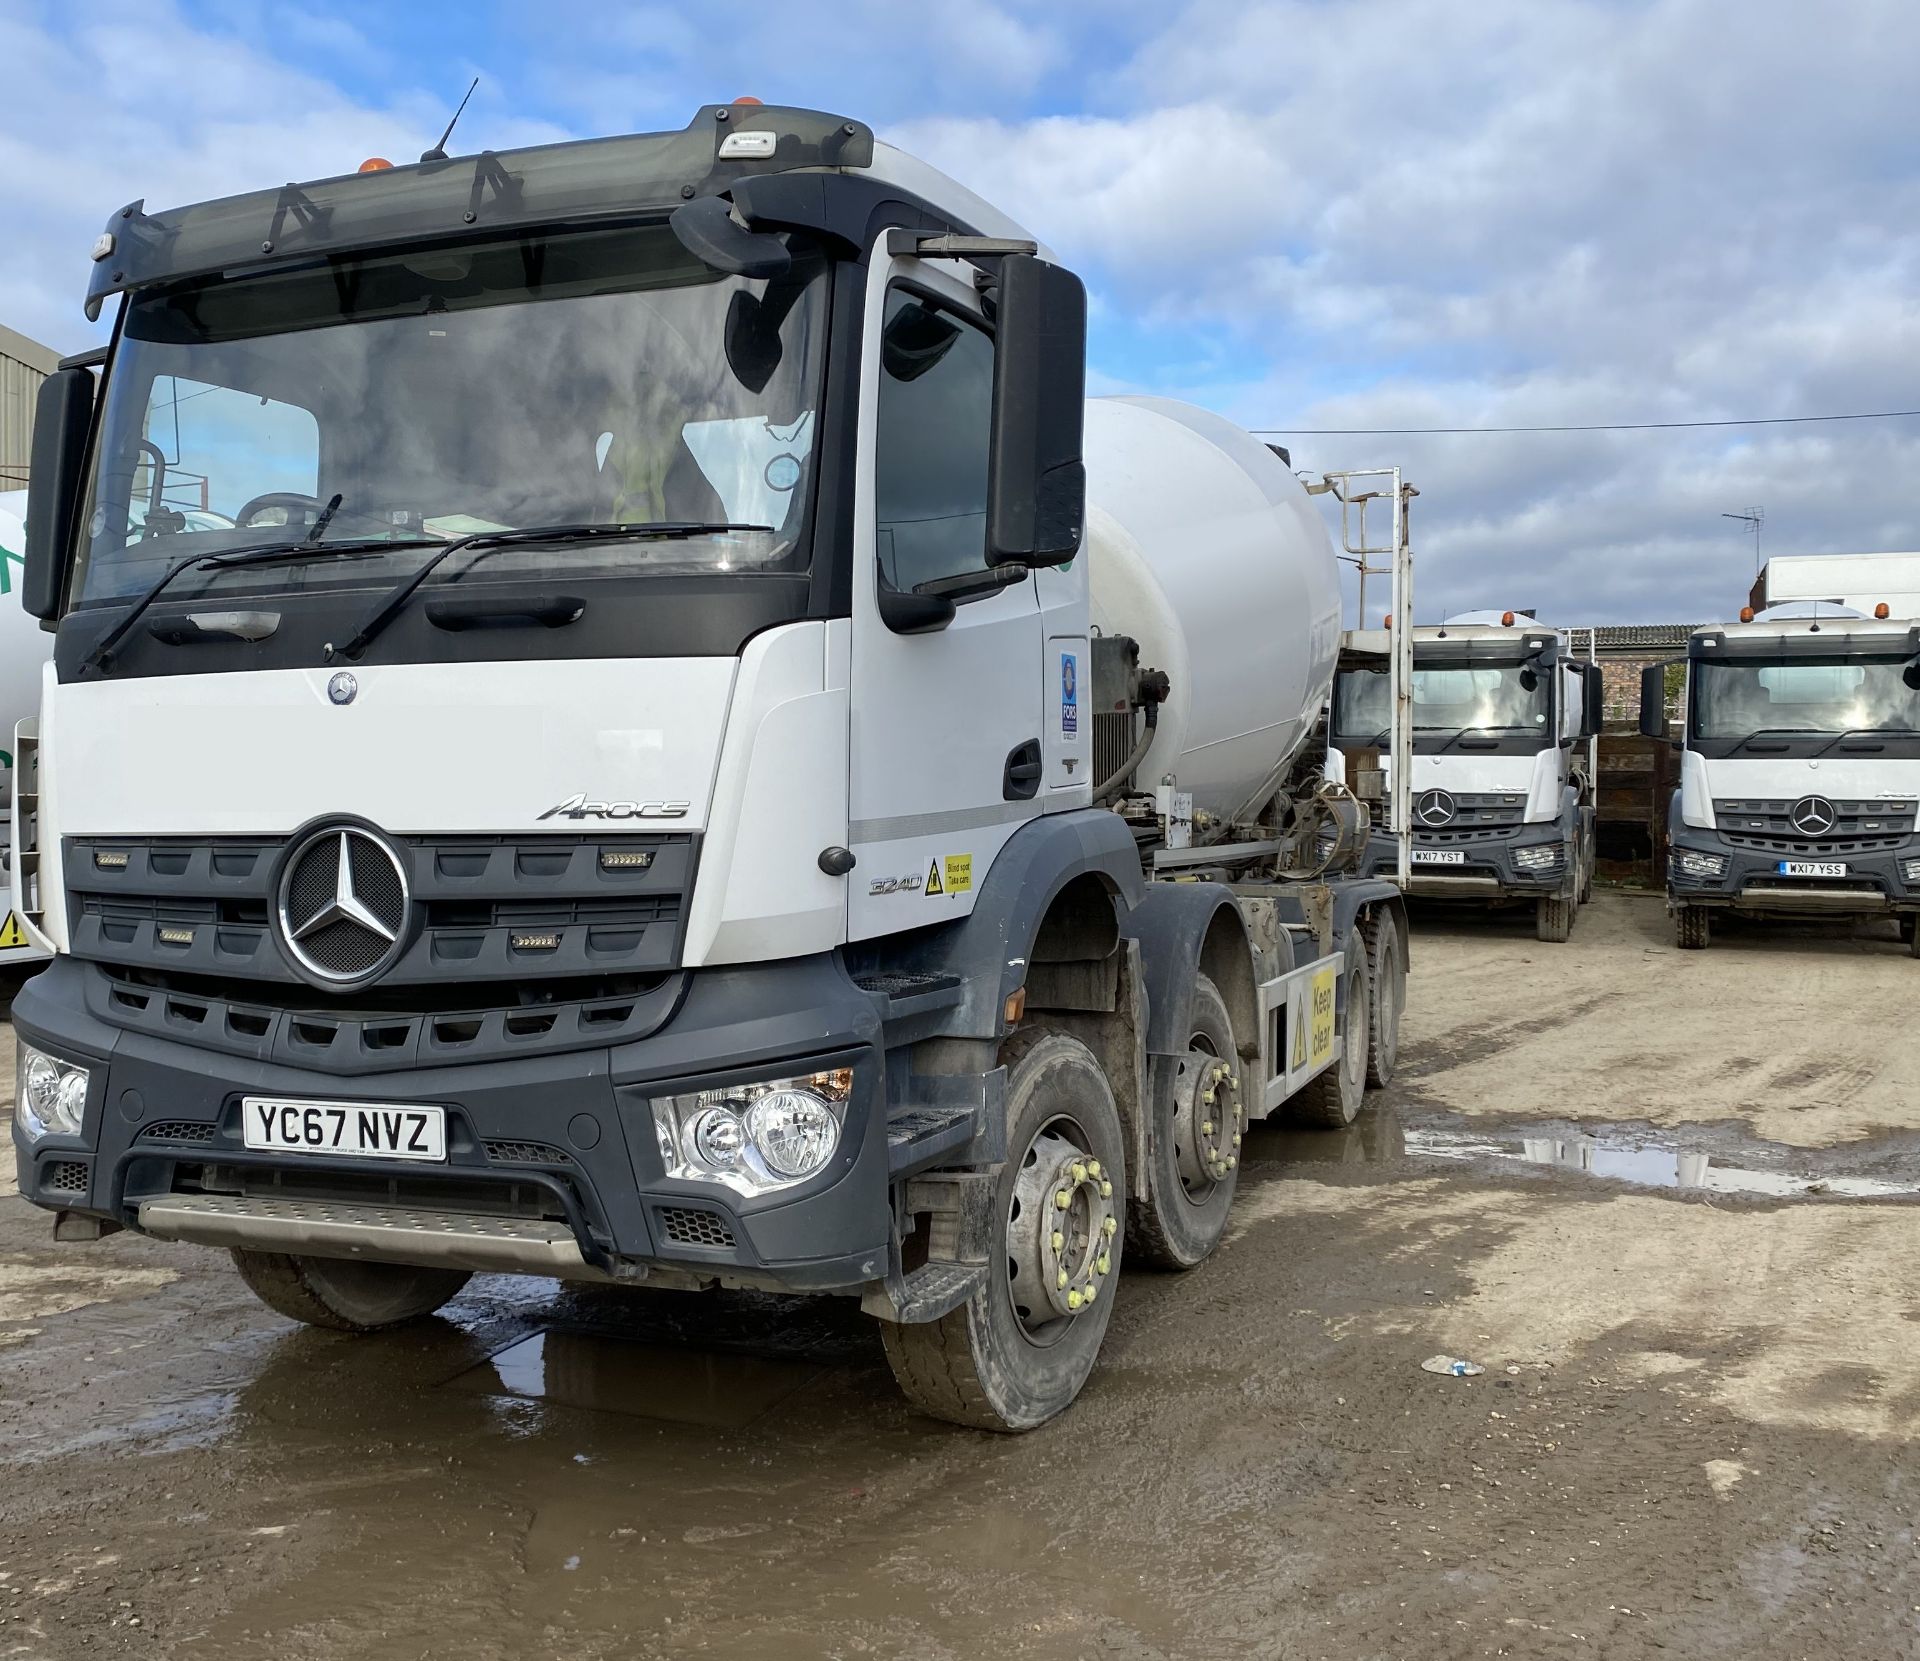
{"points": [[930, 459]]}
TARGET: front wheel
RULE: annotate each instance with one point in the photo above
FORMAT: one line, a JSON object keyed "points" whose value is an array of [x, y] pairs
{"points": [[1691, 928], [1017, 1352], [1553, 919], [346, 1294]]}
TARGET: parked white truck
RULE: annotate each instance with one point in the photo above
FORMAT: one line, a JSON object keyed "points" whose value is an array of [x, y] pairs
{"points": [[23, 649], [1502, 785], [620, 801], [1799, 768]]}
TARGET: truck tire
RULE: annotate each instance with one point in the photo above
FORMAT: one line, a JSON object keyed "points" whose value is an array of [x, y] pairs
{"points": [[1692, 927], [1553, 919], [1334, 1097], [1387, 995], [1017, 1352], [1195, 1133], [1910, 933], [346, 1294]]}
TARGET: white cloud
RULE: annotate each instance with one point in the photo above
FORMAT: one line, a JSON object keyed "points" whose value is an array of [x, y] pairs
{"points": [[1307, 214]]}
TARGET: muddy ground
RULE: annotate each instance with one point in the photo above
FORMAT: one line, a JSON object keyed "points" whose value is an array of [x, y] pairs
{"points": [[1693, 1436]]}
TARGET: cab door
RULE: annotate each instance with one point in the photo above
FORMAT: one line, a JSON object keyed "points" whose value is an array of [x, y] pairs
{"points": [[946, 752]]}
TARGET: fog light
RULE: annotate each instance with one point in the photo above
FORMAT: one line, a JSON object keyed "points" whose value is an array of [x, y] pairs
{"points": [[1911, 870], [793, 1130], [1696, 864], [1543, 858], [52, 1094]]}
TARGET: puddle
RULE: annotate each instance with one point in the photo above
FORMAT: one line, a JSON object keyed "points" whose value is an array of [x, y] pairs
{"points": [[1644, 1158], [611, 1375], [1651, 1164]]}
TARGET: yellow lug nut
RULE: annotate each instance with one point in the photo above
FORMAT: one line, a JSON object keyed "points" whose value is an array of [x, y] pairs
{"points": [[1236, 1139], [1089, 1292], [1206, 1095], [1061, 1280], [1074, 1300], [1093, 1167], [1231, 1163], [1206, 1127], [1110, 1227], [1106, 1190], [1103, 1263], [1062, 1198], [1056, 1240], [1079, 1172]]}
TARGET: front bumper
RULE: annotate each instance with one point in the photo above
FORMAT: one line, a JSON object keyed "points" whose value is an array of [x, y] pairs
{"points": [[1874, 883], [552, 1166], [1487, 869]]}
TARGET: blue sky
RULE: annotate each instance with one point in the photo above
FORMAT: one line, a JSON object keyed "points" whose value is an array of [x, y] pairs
{"points": [[1303, 213]]}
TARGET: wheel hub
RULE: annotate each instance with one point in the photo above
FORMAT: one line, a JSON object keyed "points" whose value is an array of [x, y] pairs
{"points": [[1061, 1231], [1209, 1118]]}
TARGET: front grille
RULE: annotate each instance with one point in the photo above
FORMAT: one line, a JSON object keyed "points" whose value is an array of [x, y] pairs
{"points": [[1424, 838], [489, 908], [1822, 847], [179, 1130], [1471, 811], [64, 1176], [1803, 885], [685, 1226], [526, 1153], [1855, 820]]}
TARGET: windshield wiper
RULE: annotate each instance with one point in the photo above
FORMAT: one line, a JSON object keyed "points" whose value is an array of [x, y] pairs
{"points": [[267, 553], [1867, 732], [396, 601], [1775, 732], [1455, 737]]}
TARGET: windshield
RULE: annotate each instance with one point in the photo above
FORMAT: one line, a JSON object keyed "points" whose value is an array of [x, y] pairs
{"points": [[1502, 702], [1806, 698], [587, 378]]}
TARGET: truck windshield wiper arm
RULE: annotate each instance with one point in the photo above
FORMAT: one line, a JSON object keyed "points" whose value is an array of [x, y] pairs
{"points": [[267, 553], [1868, 732], [1775, 732], [396, 601]]}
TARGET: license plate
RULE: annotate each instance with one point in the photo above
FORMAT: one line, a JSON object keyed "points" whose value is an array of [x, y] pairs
{"points": [[1439, 856], [358, 1130], [1812, 868]]}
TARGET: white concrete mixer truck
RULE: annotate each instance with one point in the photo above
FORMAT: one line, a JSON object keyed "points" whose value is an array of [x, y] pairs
{"points": [[23, 649], [1502, 787], [716, 766]]}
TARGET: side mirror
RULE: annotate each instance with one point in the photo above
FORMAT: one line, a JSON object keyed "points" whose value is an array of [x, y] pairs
{"points": [[1036, 480], [708, 231], [1653, 700], [1596, 706], [56, 474]]}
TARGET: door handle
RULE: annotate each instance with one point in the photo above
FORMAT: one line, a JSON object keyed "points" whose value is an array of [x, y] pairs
{"points": [[1021, 781]]}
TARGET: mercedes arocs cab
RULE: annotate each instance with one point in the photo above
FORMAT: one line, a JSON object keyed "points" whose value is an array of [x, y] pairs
{"points": [[1501, 778], [673, 747], [1799, 740]]}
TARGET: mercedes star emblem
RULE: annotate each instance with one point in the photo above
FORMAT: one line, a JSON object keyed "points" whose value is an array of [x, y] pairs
{"points": [[1435, 807], [342, 688], [1814, 816], [343, 905]]}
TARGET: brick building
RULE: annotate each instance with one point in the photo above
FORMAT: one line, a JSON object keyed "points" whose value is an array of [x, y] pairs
{"points": [[1625, 649]]}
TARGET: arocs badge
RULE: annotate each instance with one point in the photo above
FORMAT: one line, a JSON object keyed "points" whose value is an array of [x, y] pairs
{"points": [[1069, 694]]}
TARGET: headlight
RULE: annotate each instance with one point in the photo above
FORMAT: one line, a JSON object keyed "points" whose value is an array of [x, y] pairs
{"points": [[1696, 864], [754, 1137], [52, 1094], [1543, 858], [1911, 870]]}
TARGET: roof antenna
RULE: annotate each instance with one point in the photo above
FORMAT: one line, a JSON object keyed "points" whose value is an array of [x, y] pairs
{"points": [[439, 151]]}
